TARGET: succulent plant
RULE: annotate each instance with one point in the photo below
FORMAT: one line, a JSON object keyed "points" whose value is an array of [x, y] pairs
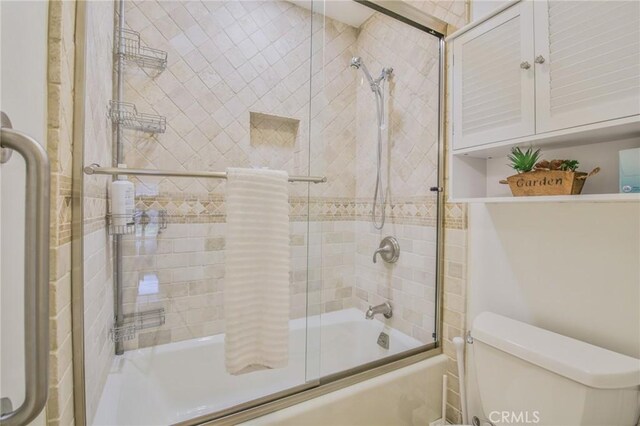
{"points": [[521, 161], [569, 165]]}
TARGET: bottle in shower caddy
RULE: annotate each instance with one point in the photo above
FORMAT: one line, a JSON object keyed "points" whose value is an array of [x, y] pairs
{"points": [[122, 200]]}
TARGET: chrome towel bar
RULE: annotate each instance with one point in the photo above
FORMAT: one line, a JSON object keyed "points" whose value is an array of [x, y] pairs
{"points": [[95, 169]]}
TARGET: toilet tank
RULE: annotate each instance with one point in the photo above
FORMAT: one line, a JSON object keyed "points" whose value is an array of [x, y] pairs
{"points": [[528, 375]]}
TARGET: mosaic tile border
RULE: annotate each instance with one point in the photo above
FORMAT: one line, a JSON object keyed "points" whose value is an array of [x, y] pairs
{"points": [[210, 208]]}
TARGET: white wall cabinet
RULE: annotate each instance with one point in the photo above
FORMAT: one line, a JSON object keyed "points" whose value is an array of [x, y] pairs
{"points": [[587, 62], [543, 66], [493, 79], [560, 75]]}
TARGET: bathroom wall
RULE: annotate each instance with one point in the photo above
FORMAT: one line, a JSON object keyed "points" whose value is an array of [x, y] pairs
{"points": [[60, 85], [577, 274], [480, 8], [218, 74], [60, 114], [98, 265], [214, 81], [410, 168], [226, 80]]}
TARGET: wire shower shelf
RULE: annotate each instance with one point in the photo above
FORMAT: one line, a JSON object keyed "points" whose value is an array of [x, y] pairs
{"points": [[126, 114], [132, 323], [133, 51], [120, 224]]}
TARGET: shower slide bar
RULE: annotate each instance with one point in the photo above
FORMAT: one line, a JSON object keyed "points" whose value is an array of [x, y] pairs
{"points": [[95, 169]]}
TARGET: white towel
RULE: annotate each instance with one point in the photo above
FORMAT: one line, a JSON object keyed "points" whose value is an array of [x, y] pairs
{"points": [[256, 283]]}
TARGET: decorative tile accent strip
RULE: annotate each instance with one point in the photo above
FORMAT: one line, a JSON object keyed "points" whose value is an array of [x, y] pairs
{"points": [[210, 208], [95, 203]]}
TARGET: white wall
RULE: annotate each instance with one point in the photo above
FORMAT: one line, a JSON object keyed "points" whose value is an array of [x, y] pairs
{"points": [[23, 97], [480, 8], [571, 268]]}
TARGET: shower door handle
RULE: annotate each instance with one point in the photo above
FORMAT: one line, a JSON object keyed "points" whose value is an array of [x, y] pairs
{"points": [[36, 275]]}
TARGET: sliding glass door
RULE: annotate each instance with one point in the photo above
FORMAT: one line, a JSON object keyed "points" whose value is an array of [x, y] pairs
{"points": [[198, 87]]}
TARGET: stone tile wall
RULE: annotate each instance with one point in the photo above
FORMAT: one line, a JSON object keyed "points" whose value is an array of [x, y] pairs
{"points": [[60, 83], [181, 269], [229, 59], [333, 106], [98, 262], [206, 45]]}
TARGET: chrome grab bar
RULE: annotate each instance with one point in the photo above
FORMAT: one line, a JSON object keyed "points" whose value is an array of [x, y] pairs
{"points": [[36, 275], [95, 169]]}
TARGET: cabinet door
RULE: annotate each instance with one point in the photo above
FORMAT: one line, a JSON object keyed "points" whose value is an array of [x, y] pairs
{"points": [[587, 62], [493, 79]]}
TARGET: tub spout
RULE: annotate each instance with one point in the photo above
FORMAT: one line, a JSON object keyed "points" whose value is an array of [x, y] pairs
{"points": [[384, 309]]}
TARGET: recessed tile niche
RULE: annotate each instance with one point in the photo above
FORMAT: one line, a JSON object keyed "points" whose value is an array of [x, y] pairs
{"points": [[273, 130]]}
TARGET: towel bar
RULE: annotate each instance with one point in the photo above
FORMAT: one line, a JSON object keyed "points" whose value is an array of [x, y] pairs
{"points": [[95, 169]]}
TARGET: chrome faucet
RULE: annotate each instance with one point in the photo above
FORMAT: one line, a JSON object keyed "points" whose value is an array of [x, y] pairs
{"points": [[384, 309]]}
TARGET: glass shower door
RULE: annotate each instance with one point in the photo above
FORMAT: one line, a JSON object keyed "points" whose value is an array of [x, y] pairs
{"points": [[376, 136], [203, 86]]}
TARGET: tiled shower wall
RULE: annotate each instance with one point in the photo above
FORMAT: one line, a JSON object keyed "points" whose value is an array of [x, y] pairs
{"points": [[231, 64], [222, 71], [60, 85], [230, 59], [409, 168], [181, 269], [98, 266], [60, 115]]}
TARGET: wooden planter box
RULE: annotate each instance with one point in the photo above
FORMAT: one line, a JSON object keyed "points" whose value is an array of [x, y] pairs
{"points": [[547, 182]]}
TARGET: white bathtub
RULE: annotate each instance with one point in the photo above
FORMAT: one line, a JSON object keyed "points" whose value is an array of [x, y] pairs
{"points": [[169, 383], [409, 396]]}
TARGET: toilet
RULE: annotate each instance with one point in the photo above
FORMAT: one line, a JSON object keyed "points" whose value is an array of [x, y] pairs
{"points": [[528, 375]]}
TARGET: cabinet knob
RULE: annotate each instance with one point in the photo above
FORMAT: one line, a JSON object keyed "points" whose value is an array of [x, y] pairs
{"points": [[539, 59], [525, 65]]}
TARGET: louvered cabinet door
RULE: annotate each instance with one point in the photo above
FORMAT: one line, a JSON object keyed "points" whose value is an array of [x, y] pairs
{"points": [[493, 79], [587, 62]]}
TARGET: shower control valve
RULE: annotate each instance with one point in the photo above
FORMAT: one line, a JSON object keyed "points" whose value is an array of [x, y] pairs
{"points": [[389, 250]]}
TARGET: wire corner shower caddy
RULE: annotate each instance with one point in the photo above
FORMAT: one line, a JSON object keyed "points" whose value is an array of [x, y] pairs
{"points": [[126, 115], [134, 51]]}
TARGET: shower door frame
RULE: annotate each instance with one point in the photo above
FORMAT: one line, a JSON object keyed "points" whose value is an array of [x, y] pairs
{"points": [[324, 384]]}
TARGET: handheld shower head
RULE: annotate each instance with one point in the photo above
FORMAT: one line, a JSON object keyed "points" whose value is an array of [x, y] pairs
{"points": [[378, 88], [358, 64]]}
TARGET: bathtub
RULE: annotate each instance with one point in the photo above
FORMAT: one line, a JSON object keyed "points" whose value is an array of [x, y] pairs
{"points": [[409, 396], [174, 382]]}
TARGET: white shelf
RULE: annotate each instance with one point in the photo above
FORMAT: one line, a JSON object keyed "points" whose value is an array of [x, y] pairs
{"points": [[583, 135], [584, 198], [477, 179]]}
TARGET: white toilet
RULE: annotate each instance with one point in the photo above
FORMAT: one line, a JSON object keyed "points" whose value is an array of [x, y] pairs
{"points": [[527, 375]]}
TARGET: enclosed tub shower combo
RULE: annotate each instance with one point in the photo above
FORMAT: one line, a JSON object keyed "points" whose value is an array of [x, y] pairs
{"points": [[258, 193]]}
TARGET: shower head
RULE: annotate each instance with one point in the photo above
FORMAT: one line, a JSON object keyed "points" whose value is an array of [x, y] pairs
{"points": [[357, 63]]}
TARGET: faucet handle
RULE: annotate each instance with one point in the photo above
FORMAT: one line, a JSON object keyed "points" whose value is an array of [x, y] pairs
{"points": [[389, 250]]}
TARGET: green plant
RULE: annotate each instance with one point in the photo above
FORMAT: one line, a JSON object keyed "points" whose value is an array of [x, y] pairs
{"points": [[521, 161], [569, 165]]}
